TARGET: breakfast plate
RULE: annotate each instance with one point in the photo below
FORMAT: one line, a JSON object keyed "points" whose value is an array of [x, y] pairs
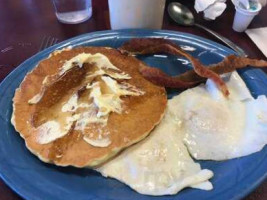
{"points": [[32, 179]]}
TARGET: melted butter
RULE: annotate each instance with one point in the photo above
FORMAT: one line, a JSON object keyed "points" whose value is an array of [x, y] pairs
{"points": [[56, 124], [115, 75], [51, 131], [89, 117], [97, 135], [71, 105], [122, 89], [106, 103], [45, 81], [60, 50], [104, 142], [36, 98], [78, 60], [99, 60], [87, 110]]}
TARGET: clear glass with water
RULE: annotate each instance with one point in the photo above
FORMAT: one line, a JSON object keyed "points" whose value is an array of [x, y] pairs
{"points": [[73, 11]]}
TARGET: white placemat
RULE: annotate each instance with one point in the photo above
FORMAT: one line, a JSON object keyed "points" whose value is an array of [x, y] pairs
{"points": [[259, 37]]}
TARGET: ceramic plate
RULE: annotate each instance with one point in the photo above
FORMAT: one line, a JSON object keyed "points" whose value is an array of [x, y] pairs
{"points": [[35, 180]]}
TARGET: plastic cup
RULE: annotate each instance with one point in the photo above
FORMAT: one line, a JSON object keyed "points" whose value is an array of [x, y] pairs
{"points": [[136, 13], [73, 11], [244, 17]]}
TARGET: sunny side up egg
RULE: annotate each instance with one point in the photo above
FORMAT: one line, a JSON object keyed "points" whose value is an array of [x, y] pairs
{"points": [[160, 164], [217, 128]]}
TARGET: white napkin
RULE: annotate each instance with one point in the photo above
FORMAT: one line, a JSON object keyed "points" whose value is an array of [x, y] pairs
{"points": [[211, 8], [258, 36], [214, 10], [201, 5]]}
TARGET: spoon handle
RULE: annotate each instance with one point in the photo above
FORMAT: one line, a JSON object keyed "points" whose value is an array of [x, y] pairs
{"points": [[229, 43]]}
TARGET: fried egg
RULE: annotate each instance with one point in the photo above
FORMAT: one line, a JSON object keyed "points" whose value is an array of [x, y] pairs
{"points": [[160, 164], [214, 127]]}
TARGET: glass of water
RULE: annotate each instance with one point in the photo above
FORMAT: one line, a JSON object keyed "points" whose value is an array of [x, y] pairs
{"points": [[73, 11]]}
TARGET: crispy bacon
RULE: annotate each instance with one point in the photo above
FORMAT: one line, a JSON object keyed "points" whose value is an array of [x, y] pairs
{"points": [[159, 45], [160, 78], [228, 64]]}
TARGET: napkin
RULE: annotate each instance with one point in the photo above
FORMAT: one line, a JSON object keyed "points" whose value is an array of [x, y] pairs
{"points": [[201, 5], [258, 36], [211, 8]]}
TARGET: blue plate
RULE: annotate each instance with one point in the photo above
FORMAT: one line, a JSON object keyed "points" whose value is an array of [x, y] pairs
{"points": [[34, 180]]}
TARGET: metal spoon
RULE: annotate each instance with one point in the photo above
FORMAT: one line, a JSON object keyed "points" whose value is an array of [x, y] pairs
{"points": [[183, 16]]}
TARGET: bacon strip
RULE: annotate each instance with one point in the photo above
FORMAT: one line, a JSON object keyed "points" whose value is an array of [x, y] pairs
{"points": [[229, 64], [160, 78], [159, 45]]}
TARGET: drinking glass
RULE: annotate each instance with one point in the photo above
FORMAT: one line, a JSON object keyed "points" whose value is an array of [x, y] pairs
{"points": [[73, 11], [136, 13]]}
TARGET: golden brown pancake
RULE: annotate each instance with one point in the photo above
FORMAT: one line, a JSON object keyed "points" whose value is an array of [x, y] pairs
{"points": [[140, 113]]}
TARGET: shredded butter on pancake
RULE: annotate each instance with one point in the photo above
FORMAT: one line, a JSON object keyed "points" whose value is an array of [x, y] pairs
{"points": [[104, 95], [102, 62], [81, 107], [190, 78]]}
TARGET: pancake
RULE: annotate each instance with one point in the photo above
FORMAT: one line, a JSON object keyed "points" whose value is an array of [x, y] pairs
{"points": [[74, 113]]}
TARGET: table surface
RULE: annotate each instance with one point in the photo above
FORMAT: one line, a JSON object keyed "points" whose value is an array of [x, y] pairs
{"points": [[24, 23]]}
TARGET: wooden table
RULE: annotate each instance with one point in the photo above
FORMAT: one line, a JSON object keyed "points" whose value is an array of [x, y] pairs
{"points": [[24, 23]]}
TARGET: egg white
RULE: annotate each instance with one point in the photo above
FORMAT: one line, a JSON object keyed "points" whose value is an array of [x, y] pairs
{"points": [[218, 128], [160, 164]]}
